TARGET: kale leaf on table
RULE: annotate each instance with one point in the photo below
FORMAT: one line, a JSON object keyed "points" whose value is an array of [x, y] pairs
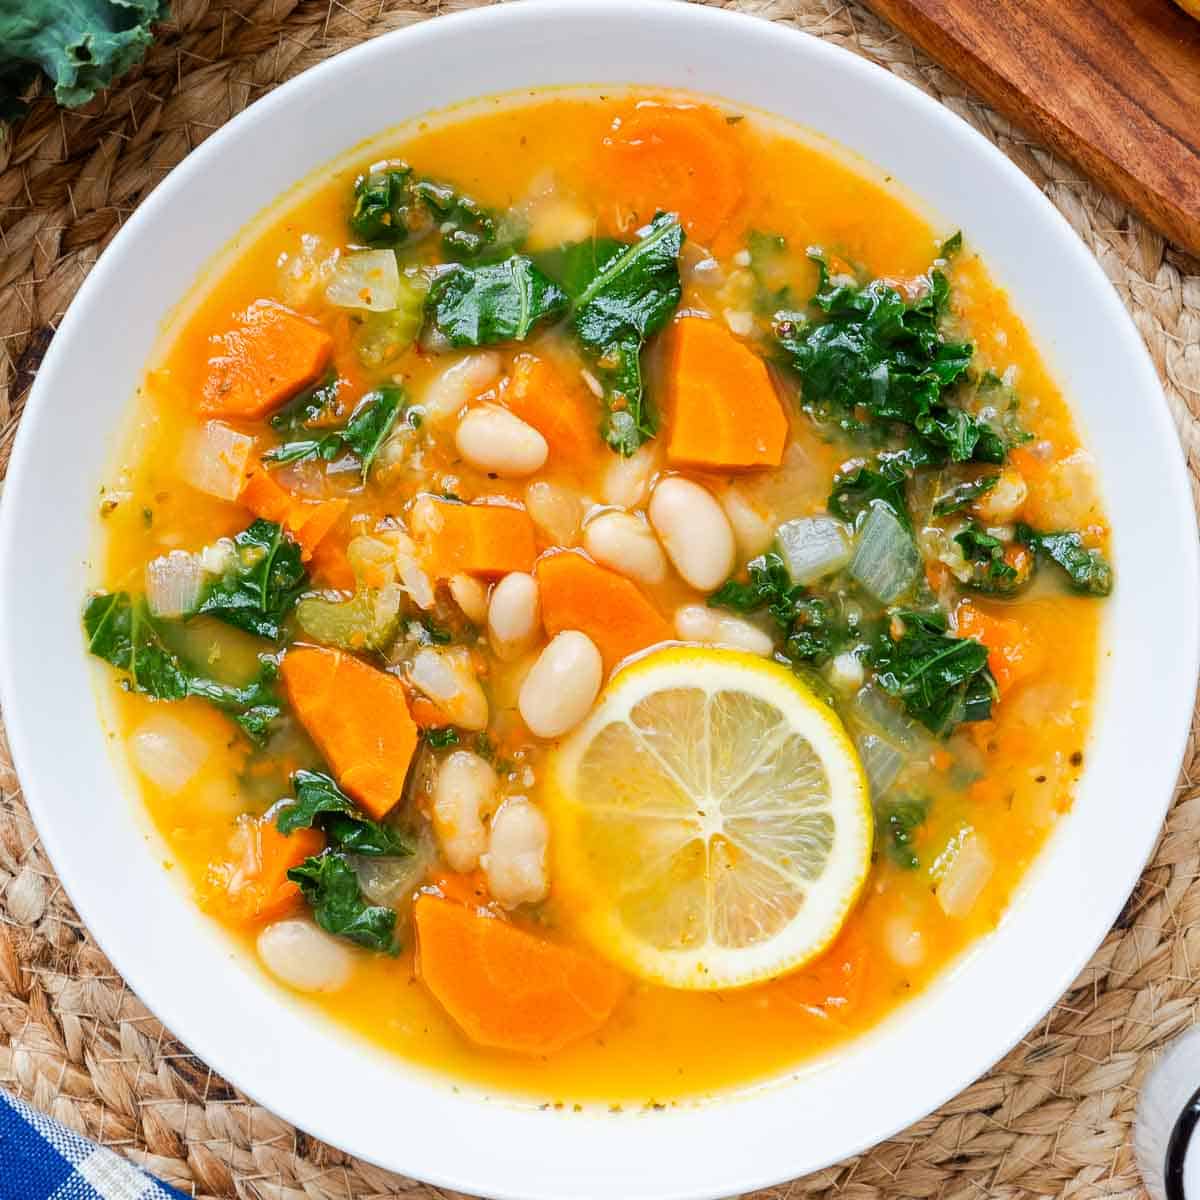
{"points": [[121, 630], [81, 46]]}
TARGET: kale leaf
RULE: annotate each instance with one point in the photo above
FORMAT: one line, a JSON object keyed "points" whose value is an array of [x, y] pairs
{"points": [[813, 627], [986, 555], [443, 736], [897, 819], [262, 583], [391, 207], [313, 408], [1087, 571], [501, 302], [855, 490], [321, 803], [963, 494], [878, 357], [122, 632], [330, 885], [941, 680], [81, 46], [623, 293], [368, 428]]}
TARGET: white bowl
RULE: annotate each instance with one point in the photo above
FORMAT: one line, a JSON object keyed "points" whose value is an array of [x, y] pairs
{"points": [[321, 1078]]}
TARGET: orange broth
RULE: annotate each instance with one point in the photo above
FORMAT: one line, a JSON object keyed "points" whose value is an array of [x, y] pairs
{"points": [[660, 1044]]}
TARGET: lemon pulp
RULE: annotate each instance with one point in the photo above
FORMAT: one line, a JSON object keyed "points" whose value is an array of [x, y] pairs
{"points": [[712, 825]]}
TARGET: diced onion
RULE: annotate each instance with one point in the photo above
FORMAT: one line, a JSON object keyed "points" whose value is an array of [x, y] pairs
{"points": [[168, 752], [876, 709], [214, 459], [813, 547], [392, 881], [965, 876], [885, 560], [368, 279], [881, 761], [173, 583]]}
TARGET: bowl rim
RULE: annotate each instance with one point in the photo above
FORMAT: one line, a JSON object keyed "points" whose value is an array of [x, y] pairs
{"points": [[764, 1165]]}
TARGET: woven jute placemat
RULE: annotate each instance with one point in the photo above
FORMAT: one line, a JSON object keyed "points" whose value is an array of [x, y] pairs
{"points": [[1052, 1119]]}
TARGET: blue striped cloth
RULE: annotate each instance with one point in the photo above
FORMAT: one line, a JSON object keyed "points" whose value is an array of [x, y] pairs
{"points": [[43, 1160]]}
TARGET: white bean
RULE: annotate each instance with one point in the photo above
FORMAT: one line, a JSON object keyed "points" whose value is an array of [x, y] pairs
{"points": [[513, 617], [445, 676], [903, 940], [464, 793], [447, 393], [626, 544], [492, 439], [305, 956], [699, 623], [1006, 498], [695, 531], [627, 480], [471, 597], [168, 751], [556, 510], [562, 685], [752, 528], [845, 672], [515, 862]]}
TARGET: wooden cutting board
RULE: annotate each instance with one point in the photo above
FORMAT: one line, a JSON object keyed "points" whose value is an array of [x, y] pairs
{"points": [[1113, 85]]}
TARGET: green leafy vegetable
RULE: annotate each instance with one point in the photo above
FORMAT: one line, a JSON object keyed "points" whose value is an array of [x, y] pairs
{"points": [[315, 407], [80, 45], [941, 680], [856, 489], [321, 803], [813, 627], [367, 430], [623, 293], [466, 227], [502, 302], [1087, 571], [877, 357], [261, 584], [440, 739], [951, 246], [122, 632], [897, 819], [391, 207], [963, 494], [330, 885], [986, 555]]}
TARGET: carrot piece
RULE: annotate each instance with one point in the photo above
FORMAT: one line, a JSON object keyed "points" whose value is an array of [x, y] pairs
{"points": [[506, 988], [473, 539], [1012, 657], [269, 356], [563, 411], [332, 568], [308, 521], [469, 889], [577, 593], [359, 719], [252, 883], [425, 713], [684, 159], [724, 410]]}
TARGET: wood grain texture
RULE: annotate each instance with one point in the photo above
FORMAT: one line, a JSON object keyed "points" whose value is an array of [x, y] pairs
{"points": [[1112, 84]]}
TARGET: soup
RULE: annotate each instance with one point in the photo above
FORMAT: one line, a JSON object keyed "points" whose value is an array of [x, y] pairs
{"points": [[601, 598]]}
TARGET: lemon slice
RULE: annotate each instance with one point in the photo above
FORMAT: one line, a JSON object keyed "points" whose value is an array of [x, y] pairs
{"points": [[711, 820]]}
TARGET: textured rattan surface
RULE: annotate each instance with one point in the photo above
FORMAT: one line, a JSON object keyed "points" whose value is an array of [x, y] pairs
{"points": [[1053, 1118]]}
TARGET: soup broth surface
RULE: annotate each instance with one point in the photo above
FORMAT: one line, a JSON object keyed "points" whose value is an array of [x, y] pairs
{"points": [[759, 204]]}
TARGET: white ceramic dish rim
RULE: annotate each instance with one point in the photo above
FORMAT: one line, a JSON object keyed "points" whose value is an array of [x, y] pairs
{"points": [[373, 1106]]}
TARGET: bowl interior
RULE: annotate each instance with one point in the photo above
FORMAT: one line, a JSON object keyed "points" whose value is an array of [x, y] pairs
{"points": [[342, 1091]]}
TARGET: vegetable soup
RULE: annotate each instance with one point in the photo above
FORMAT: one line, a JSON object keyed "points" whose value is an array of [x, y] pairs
{"points": [[601, 597]]}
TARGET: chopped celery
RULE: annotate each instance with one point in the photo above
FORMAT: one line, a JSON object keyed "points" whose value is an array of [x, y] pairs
{"points": [[383, 336], [366, 622]]}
